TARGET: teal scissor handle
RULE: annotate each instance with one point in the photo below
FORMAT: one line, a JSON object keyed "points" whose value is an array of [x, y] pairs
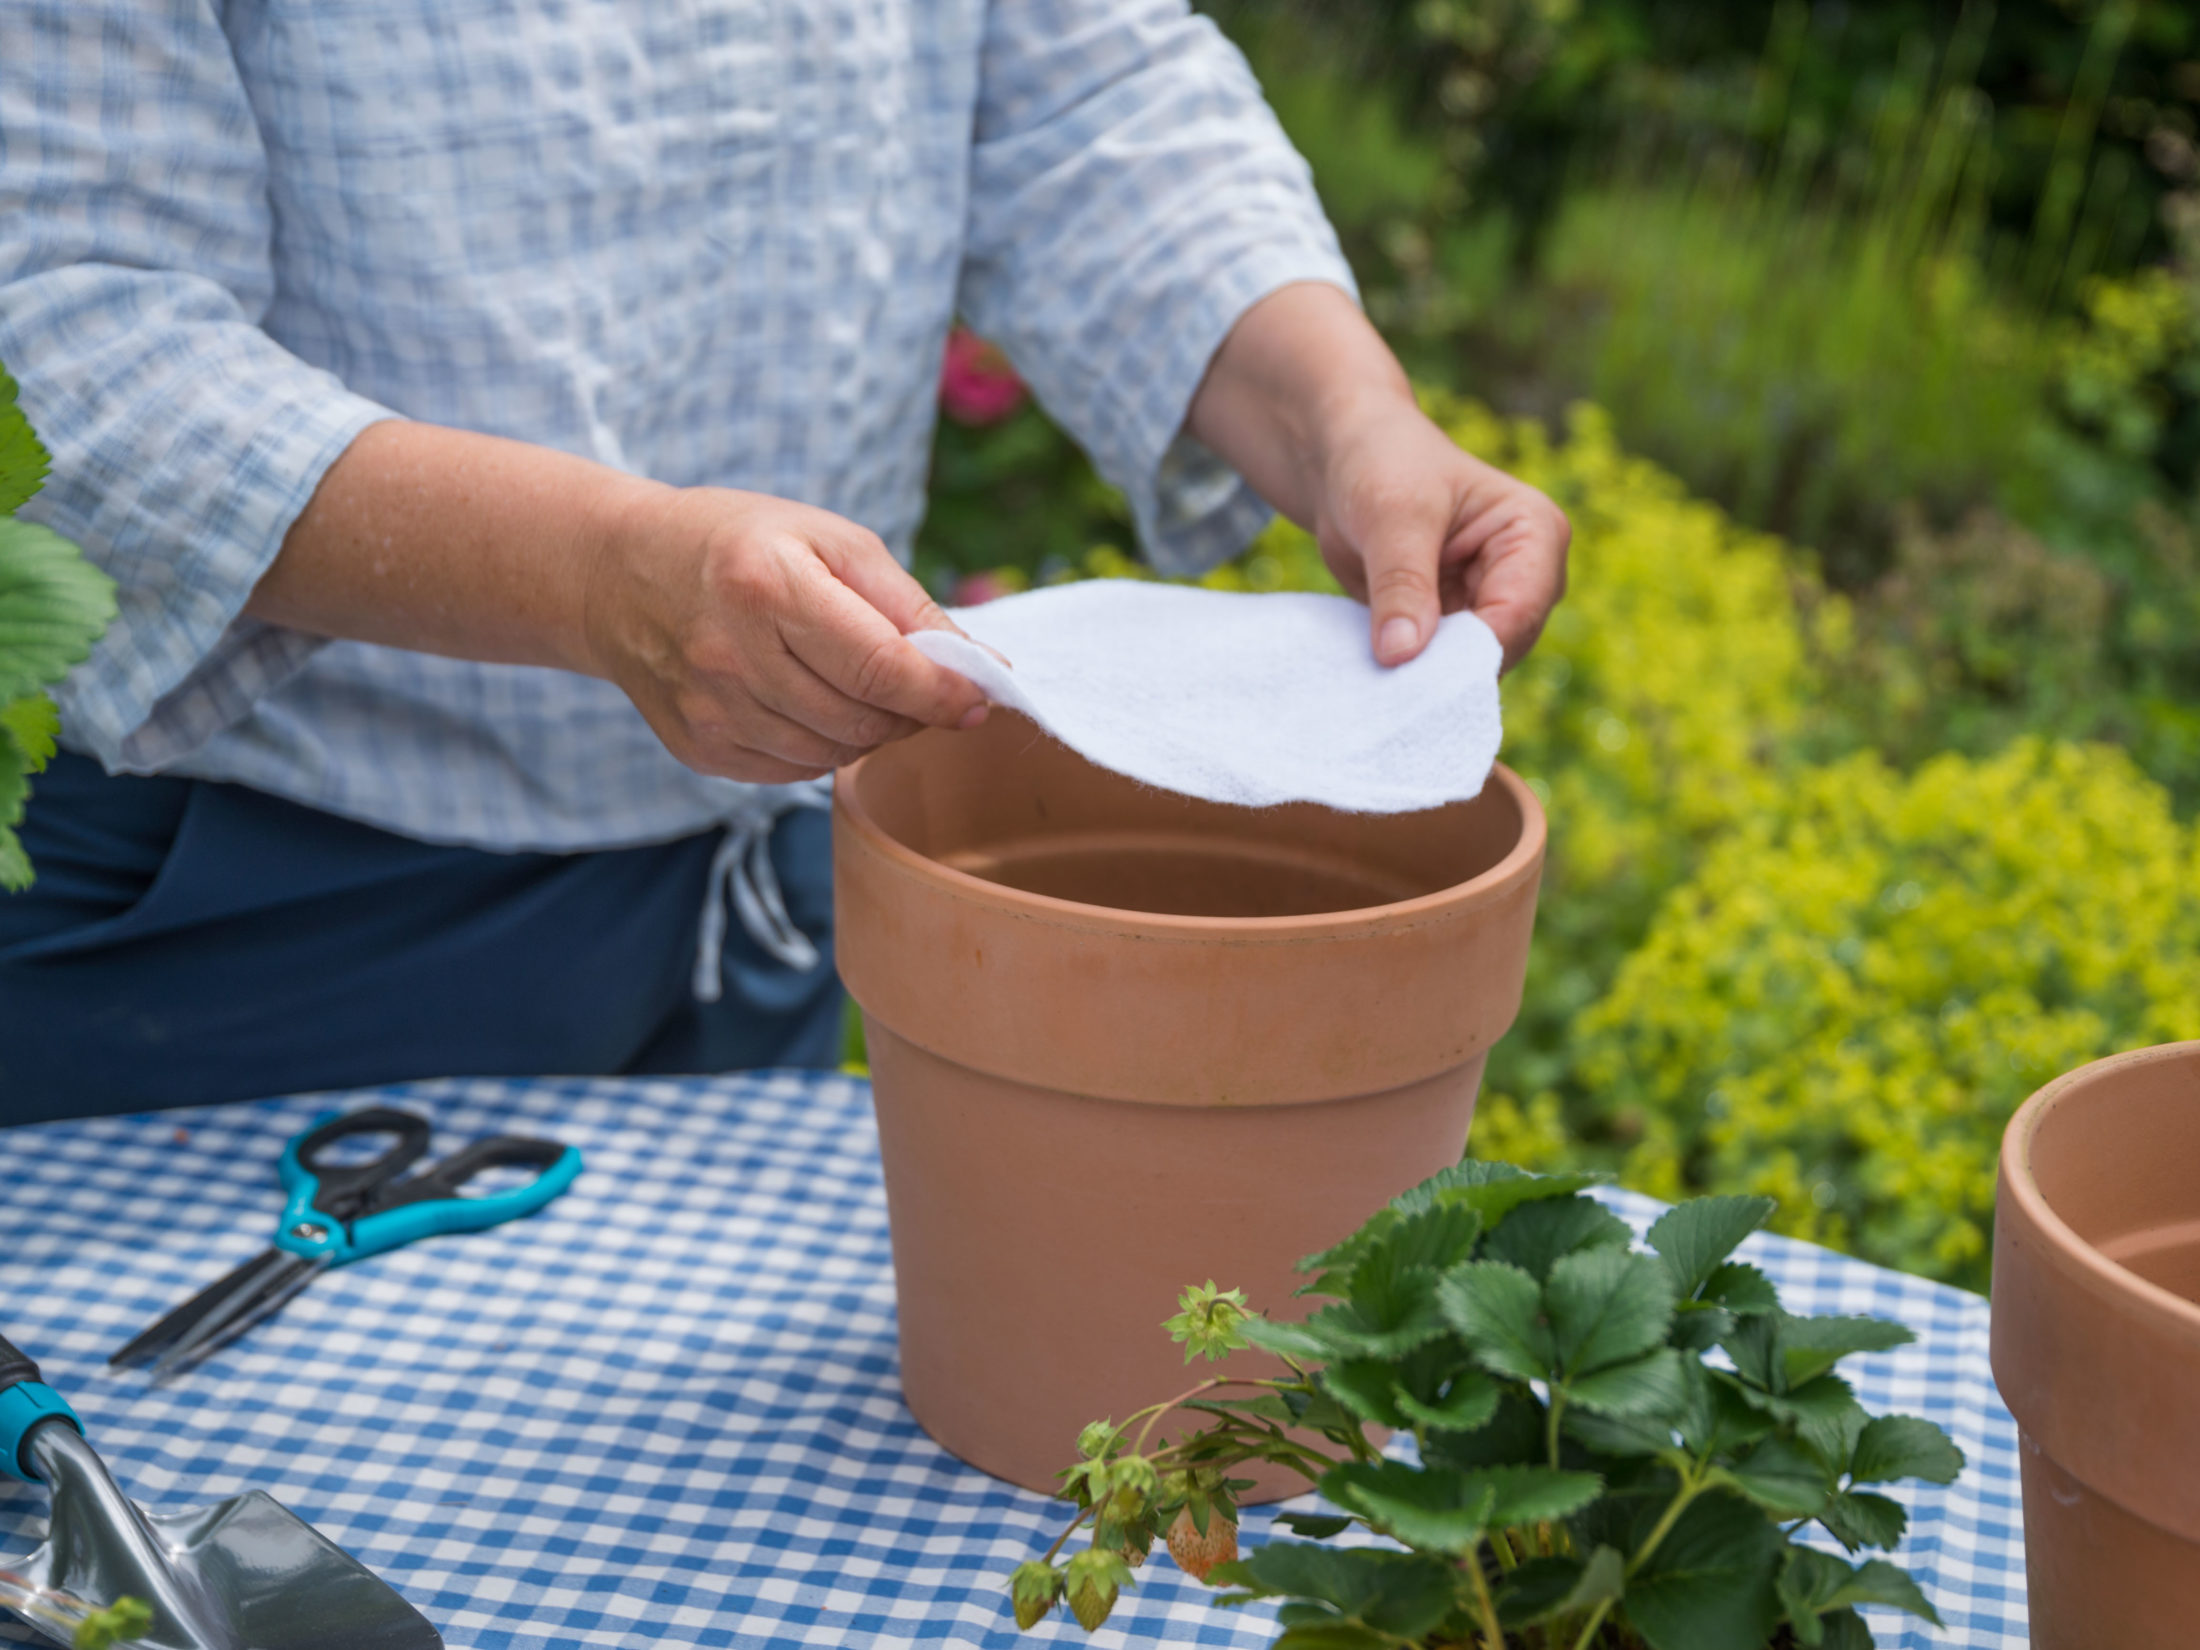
{"points": [[345, 1212]]}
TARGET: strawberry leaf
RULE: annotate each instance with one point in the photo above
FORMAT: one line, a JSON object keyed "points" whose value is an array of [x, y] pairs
{"points": [[1741, 1289], [1694, 1237], [1893, 1447], [1492, 1190], [1498, 1311], [1784, 1478], [1468, 1403], [1710, 1584], [1446, 1510], [1861, 1519], [1650, 1388], [1606, 1306], [1546, 1587], [1535, 1235], [1811, 1346], [1403, 1595]]}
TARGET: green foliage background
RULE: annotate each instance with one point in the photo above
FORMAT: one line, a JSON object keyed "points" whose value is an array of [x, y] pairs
{"points": [[1863, 345]]}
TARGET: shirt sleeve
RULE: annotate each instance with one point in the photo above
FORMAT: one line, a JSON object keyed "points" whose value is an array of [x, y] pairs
{"points": [[135, 268], [1131, 196]]}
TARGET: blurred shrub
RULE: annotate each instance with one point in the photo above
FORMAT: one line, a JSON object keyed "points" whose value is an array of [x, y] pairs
{"points": [[1811, 373], [2090, 102], [1981, 633], [2130, 376], [1850, 996]]}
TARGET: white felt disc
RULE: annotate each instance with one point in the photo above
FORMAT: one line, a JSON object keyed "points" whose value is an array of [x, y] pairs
{"points": [[1240, 698]]}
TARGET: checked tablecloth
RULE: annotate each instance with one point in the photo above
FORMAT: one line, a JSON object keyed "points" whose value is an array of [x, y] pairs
{"points": [[664, 1411]]}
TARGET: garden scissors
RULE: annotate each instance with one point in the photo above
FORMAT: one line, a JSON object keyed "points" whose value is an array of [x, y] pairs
{"points": [[341, 1212]]}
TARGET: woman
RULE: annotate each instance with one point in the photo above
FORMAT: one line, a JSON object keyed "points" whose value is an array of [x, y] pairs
{"points": [[502, 419]]}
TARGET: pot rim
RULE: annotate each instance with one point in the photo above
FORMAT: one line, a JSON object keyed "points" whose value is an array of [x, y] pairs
{"points": [[2023, 1188], [1524, 857]]}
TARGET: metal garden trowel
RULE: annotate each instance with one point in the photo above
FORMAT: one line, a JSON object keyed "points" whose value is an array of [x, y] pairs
{"points": [[244, 1574]]}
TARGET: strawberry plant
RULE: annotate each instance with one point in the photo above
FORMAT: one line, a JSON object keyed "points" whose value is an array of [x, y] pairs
{"points": [[53, 606], [1585, 1477]]}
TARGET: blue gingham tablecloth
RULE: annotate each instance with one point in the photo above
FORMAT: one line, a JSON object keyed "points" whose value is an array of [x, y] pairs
{"points": [[665, 1410]]}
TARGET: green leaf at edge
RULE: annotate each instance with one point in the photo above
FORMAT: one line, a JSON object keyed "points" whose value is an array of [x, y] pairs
{"points": [[23, 457], [53, 606]]}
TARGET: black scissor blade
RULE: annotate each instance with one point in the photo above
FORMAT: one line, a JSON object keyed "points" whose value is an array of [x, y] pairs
{"points": [[179, 1322], [240, 1313]]}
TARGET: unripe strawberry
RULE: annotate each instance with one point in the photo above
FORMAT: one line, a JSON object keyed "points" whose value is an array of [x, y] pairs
{"points": [[1129, 1540], [1034, 1588], [1199, 1553], [1096, 1579]]}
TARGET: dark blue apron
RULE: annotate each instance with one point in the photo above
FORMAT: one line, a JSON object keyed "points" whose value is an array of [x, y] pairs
{"points": [[189, 942]]}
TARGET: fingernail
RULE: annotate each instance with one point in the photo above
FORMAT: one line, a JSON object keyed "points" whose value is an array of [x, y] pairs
{"points": [[976, 715], [1396, 639]]}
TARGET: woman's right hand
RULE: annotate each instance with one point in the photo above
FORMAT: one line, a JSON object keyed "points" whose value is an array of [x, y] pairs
{"points": [[762, 639]]}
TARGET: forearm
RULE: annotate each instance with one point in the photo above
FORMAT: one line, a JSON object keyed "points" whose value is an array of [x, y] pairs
{"points": [[444, 541], [1299, 371]]}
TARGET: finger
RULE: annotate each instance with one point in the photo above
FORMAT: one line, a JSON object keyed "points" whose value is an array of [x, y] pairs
{"points": [[860, 560], [802, 696], [1518, 573], [752, 767], [1401, 559], [859, 652], [762, 732]]}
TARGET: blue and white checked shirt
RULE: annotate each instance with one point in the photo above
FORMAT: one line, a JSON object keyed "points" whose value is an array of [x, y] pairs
{"points": [[709, 241]]}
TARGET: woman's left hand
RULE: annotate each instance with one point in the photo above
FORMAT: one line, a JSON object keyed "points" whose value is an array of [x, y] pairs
{"points": [[1308, 403]]}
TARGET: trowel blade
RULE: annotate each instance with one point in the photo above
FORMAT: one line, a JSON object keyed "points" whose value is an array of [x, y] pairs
{"points": [[243, 1574], [285, 1585]]}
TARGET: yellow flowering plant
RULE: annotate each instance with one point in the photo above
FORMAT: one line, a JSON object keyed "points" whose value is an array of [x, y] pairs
{"points": [[1843, 1006]]}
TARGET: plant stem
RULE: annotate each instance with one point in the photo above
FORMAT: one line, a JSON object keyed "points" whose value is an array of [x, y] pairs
{"points": [[1493, 1636], [1062, 1540], [1589, 1627], [1154, 1412], [1501, 1545], [1692, 1485], [1550, 1423]]}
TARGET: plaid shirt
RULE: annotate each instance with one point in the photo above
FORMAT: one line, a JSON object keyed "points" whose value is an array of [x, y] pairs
{"points": [[709, 241]]}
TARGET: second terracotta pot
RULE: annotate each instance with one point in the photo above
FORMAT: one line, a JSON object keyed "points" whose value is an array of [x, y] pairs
{"points": [[2096, 1348], [1122, 1041]]}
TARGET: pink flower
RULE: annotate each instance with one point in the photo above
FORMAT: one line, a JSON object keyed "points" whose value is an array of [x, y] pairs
{"points": [[977, 385], [974, 589]]}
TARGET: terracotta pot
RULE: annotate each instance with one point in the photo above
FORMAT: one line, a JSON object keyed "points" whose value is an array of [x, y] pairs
{"points": [[2096, 1348], [1122, 1041]]}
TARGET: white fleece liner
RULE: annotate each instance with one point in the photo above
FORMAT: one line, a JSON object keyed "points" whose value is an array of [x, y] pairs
{"points": [[1255, 700]]}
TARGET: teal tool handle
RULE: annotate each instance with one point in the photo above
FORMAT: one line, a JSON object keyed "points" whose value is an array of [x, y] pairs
{"points": [[427, 1204], [26, 1404]]}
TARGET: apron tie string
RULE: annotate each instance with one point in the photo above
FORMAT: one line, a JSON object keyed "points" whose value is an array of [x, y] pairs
{"points": [[742, 875]]}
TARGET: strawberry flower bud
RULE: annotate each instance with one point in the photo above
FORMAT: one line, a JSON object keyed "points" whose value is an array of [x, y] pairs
{"points": [[1207, 1322]]}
